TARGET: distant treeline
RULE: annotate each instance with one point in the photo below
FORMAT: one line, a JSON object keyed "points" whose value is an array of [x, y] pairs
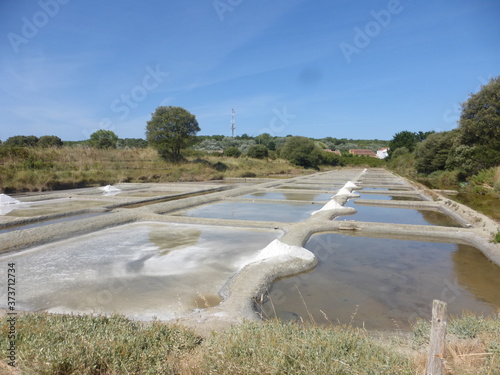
{"points": [[203, 142]]}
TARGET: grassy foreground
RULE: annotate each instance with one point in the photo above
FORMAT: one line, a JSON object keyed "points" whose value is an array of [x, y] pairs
{"points": [[39, 169], [58, 344]]}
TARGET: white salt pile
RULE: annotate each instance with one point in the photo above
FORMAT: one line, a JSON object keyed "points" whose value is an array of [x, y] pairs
{"points": [[110, 190], [343, 191], [5, 200], [351, 186], [331, 205], [278, 249], [7, 204]]}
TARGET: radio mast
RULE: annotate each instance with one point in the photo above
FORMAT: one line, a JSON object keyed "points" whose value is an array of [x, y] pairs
{"points": [[233, 123]]}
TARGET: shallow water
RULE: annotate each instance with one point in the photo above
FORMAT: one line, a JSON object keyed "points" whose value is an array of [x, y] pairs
{"points": [[141, 270], [291, 196], [312, 187], [389, 197], [384, 283], [53, 206], [398, 215], [283, 212]]}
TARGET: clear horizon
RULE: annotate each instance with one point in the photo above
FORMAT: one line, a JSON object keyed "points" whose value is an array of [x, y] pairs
{"points": [[342, 69]]}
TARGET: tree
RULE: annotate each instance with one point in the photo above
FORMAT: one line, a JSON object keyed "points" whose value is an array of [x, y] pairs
{"points": [[301, 151], [49, 141], [407, 139], [103, 139], [432, 154], [258, 152], [477, 145], [22, 141], [170, 130], [479, 122]]}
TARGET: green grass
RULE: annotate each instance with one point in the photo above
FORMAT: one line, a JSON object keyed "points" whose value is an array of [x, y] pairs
{"points": [[496, 239], [70, 344], [287, 348], [58, 344]]}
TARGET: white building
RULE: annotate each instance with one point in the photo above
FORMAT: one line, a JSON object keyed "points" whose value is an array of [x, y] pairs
{"points": [[383, 153]]}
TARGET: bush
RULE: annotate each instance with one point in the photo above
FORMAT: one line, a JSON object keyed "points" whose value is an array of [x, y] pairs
{"points": [[49, 141], [21, 141], [302, 151], [329, 158], [220, 167], [398, 152], [258, 152], [248, 174], [232, 152]]}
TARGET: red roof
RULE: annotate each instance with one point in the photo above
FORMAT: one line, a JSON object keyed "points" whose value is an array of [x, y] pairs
{"points": [[362, 152]]}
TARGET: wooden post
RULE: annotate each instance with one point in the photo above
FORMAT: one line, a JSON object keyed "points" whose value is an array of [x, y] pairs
{"points": [[438, 336]]}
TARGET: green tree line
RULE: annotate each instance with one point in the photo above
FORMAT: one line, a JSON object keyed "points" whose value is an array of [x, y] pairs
{"points": [[459, 154]]}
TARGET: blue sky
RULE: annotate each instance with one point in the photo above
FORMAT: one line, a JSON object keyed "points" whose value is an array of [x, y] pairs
{"points": [[340, 68]]}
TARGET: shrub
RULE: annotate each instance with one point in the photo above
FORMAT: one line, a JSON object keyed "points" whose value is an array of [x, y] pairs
{"points": [[302, 151], [329, 158], [248, 174], [49, 141], [232, 152], [258, 152], [21, 141], [221, 167]]}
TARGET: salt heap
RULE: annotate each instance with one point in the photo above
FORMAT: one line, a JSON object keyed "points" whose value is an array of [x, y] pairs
{"points": [[351, 185], [5, 200], [7, 204], [278, 249], [331, 205], [110, 190]]}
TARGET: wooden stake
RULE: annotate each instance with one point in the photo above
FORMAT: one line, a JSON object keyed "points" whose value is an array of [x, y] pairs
{"points": [[438, 336]]}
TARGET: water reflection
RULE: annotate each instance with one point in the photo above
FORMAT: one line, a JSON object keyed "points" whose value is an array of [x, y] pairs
{"points": [[399, 215], [290, 196], [283, 212], [383, 283]]}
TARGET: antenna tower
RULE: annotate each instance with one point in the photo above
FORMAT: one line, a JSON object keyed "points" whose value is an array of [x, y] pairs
{"points": [[233, 123]]}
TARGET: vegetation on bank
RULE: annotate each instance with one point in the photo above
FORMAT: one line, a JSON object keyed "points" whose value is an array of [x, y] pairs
{"points": [[70, 344], [65, 167], [466, 158], [35, 169]]}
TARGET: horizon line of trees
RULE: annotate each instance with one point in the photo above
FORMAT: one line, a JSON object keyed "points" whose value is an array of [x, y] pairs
{"points": [[473, 146]]}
